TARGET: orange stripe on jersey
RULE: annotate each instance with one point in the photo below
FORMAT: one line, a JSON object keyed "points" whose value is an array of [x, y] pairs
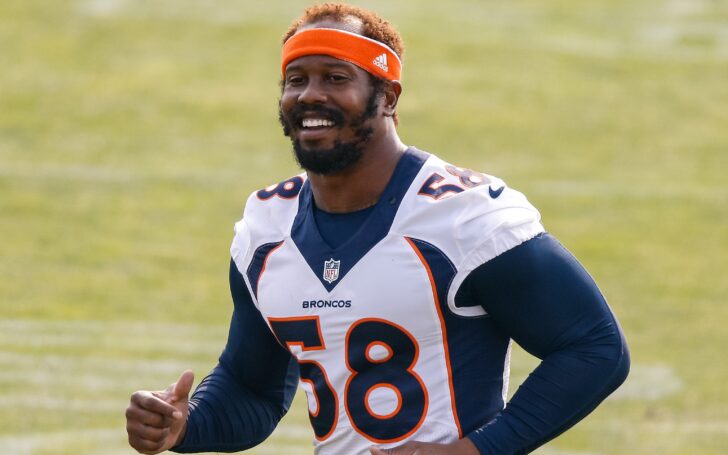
{"points": [[444, 333]]}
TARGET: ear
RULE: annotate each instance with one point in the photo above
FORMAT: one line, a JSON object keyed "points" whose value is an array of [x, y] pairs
{"points": [[392, 91]]}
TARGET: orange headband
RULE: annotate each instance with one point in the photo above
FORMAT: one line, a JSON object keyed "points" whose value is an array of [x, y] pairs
{"points": [[366, 53]]}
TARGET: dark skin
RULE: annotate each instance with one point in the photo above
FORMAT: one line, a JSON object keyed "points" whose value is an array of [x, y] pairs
{"points": [[344, 86], [156, 421], [341, 85]]}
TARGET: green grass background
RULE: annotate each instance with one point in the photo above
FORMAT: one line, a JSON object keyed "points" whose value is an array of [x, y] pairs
{"points": [[132, 131]]}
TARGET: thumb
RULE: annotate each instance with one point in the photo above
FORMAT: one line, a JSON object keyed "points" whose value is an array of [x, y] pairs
{"points": [[374, 450], [183, 386]]}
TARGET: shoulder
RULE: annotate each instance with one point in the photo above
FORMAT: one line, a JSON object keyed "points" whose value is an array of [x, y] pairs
{"points": [[268, 217], [467, 208], [470, 216]]}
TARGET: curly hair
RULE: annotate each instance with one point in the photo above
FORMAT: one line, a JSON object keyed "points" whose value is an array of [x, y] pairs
{"points": [[373, 27]]}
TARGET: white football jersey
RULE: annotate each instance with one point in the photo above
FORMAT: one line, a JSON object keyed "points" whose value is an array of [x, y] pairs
{"points": [[385, 354]]}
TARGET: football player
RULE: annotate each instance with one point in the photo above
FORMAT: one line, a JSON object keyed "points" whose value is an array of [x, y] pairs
{"points": [[389, 284]]}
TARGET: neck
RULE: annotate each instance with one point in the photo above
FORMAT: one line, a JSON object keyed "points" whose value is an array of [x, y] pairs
{"points": [[359, 186]]}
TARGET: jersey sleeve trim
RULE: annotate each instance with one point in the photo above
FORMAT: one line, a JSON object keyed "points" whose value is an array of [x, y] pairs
{"points": [[503, 238]]}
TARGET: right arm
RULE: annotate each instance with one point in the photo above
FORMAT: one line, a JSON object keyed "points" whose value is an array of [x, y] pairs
{"points": [[235, 407], [239, 404]]}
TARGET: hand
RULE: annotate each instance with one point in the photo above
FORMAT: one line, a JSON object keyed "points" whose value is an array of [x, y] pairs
{"points": [[461, 447], [156, 421]]}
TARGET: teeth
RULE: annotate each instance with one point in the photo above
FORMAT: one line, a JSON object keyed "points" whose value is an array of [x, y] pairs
{"points": [[316, 122]]}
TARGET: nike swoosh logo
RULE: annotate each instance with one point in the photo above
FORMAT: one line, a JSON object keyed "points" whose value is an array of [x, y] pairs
{"points": [[495, 193]]}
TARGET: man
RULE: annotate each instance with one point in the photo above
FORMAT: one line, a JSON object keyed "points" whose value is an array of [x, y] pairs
{"points": [[390, 283]]}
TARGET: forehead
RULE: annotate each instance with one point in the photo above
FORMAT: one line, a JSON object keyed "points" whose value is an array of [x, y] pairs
{"points": [[348, 23]]}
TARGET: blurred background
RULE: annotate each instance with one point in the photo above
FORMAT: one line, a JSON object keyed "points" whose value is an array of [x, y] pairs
{"points": [[132, 131]]}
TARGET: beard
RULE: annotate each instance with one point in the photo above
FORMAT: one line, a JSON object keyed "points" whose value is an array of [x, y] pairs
{"points": [[343, 154]]}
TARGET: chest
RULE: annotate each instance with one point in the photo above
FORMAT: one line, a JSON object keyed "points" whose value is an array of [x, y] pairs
{"points": [[388, 293]]}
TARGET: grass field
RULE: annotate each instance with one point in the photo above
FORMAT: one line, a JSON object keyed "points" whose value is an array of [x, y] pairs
{"points": [[132, 131]]}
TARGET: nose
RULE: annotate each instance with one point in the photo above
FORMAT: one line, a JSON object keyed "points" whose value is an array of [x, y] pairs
{"points": [[312, 93]]}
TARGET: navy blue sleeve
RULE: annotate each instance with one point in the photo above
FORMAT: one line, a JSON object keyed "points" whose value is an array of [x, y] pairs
{"points": [[242, 400], [538, 294]]}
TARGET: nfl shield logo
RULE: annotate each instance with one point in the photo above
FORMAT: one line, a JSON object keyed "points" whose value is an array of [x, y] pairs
{"points": [[331, 270]]}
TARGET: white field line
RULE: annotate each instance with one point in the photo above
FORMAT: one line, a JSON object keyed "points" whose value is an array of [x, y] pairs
{"points": [[658, 42], [211, 11], [94, 373], [151, 331], [180, 345], [665, 39], [556, 451], [78, 172], [46, 403], [292, 431], [683, 426], [102, 326], [100, 384], [686, 7], [30, 443], [101, 174], [278, 449], [76, 359], [102, 8], [106, 174], [649, 383], [152, 337], [113, 441], [659, 38], [570, 188]]}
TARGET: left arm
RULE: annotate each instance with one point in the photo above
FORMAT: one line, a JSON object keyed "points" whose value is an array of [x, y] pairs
{"points": [[538, 294], [541, 296]]}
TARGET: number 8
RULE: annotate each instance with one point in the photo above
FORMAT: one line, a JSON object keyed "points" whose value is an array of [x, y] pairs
{"points": [[394, 372]]}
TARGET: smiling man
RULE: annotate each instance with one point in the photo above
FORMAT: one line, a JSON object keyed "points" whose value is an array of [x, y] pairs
{"points": [[390, 284]]}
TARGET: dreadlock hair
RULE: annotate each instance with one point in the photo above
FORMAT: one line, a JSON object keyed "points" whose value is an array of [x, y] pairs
{"points": [[373, 27]]}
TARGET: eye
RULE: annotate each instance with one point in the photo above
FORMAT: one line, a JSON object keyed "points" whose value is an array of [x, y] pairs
{"points": [[338, 78], [294, 79]]}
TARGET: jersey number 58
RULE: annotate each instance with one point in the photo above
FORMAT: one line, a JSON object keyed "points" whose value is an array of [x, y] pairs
{"points": [[393, 370]]}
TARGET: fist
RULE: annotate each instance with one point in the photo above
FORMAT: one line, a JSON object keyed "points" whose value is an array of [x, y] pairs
{"points": [[156, 420]]}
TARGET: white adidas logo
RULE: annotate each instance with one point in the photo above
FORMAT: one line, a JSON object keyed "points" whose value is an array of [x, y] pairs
{"points": [[381, 61]]}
